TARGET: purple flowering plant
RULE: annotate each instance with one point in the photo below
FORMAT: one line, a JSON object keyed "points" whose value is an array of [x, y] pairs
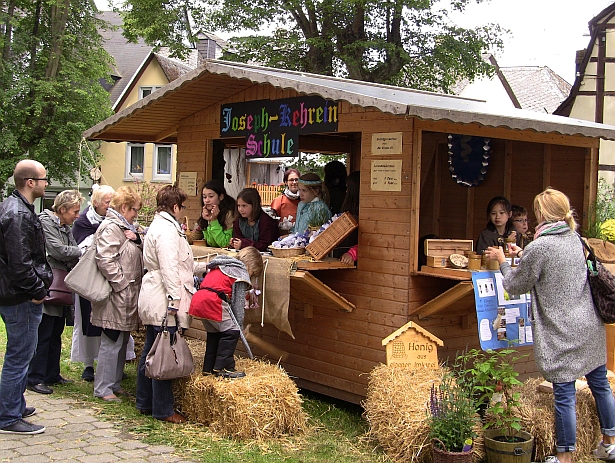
{"points": [[452, 418]]}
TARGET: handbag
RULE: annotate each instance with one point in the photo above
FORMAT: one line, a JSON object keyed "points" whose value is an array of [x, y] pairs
{"points": [[86, 279], [59, 293], [602, 284], [169, 356]]}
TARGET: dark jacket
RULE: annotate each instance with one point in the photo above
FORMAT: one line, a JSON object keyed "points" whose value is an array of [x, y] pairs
{"points": [[24, 271], [268, 232]]}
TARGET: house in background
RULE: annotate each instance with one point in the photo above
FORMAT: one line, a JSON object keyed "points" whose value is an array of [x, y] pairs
{"points": [[139, 72], [536, 88], [592, 97]]}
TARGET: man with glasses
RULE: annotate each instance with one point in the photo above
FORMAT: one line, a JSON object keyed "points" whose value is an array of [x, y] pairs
{"points": [[25, 277]]}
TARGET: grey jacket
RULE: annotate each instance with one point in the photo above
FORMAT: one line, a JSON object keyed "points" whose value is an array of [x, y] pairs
{"points": [[569, 337], [234, 268], [61, 247], [62, 250], [120, 260]]}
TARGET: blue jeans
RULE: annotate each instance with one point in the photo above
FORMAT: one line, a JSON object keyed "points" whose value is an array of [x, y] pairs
{"points": [[153, 394], [21, 323], [565, 409]]}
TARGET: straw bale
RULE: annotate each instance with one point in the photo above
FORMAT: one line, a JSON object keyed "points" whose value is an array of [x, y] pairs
{"points": [[396, 407], [265, 404], [537, 413]]}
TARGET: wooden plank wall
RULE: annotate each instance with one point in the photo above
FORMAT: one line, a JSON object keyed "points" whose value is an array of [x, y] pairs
{"points": [[531, 168]]}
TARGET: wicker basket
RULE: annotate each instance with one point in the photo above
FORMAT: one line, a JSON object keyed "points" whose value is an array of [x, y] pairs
{"points": [[324, 243], [442, 456], [286, 252]]}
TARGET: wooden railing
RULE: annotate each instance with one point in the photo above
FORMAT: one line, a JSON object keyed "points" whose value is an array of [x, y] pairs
{"points": [[268, 192]]}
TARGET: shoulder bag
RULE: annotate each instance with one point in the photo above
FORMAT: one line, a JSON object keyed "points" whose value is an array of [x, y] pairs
{"points": [[59, 293], [169, 357], [86, 279], [602, 284]]}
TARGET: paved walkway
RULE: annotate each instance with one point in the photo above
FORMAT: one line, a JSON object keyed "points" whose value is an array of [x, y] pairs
{"points": [[76, 434]]}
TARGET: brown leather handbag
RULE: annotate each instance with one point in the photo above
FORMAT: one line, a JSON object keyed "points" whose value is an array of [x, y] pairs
{"points": [[169, 357], [59, 293]]}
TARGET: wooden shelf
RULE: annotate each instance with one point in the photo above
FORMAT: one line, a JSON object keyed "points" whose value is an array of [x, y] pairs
{"points": [[306, 288], [328, 263], [464, 289], [443, 272]]}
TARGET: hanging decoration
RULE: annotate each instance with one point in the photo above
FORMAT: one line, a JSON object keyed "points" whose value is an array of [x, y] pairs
{"points": [[468, 158]]}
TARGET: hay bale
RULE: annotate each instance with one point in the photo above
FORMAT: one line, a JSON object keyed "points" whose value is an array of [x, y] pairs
{"points": [[537, 413], [265, 404], [396, 407]]}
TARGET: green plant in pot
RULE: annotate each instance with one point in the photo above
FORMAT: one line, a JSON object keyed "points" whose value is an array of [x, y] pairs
{"points": [[491, 377], [452, 421]]}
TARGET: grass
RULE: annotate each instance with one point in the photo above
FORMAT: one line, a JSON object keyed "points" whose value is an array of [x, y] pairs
{"points": [[336, 427]]}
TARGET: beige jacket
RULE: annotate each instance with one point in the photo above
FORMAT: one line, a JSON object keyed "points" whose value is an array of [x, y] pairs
{"points": [[169, 281], [121, 261]]}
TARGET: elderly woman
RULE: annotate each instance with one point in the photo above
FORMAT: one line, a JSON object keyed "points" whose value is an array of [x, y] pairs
{"points": [[569, 337], [119, 258], [286, 204], [62, 253], [167, 291], [86, 337]]}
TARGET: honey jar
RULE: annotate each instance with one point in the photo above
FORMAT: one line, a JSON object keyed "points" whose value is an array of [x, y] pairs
{"points": [[474, 261]]}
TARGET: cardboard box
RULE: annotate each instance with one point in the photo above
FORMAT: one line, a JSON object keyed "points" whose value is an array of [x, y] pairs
{"points": [[437, 251]]}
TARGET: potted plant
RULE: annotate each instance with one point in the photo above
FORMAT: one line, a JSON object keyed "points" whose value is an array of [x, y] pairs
{"points": [[491, 377], [452, 421]]}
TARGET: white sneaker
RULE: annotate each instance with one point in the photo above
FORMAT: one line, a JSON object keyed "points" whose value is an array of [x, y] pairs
{"points": [[605, 452], [552, 459]]}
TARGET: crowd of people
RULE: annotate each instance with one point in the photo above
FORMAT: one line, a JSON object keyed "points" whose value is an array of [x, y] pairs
{"points": [[307, 201], [151, 275]]}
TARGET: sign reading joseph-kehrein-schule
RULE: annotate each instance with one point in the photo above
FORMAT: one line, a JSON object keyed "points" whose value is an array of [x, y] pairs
{"points": [[272, 127]]}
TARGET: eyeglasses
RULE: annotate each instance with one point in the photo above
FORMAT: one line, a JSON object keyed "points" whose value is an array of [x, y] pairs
{"points": [[44, 179], [293, 180], [135, 209], [182, 207], [521, 220]]}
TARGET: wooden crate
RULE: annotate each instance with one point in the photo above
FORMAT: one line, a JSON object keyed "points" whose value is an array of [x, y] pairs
{"points": [[332, 236], [437, 251]]}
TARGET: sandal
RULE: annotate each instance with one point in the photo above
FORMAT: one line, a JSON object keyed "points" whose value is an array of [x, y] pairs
{"points": [[111, 398]]}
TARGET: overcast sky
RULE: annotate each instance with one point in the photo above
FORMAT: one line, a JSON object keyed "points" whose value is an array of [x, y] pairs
{"points": [[543, 32]]}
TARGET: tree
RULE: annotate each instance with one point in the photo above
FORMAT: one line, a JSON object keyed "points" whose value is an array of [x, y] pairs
{"points": [[51, 69], [410, 43]]}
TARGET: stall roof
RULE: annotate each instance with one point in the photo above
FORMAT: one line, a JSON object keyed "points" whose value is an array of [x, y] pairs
{"points": [[156, 117]]}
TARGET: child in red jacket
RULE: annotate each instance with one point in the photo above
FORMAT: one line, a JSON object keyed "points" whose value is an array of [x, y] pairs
{"points": [[225, 288]]}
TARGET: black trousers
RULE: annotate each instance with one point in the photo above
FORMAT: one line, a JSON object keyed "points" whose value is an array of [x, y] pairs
{"points": [[45, 366], [220, 350]]}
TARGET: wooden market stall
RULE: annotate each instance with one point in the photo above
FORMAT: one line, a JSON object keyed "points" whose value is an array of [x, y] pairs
{"points": [[399, 139]]}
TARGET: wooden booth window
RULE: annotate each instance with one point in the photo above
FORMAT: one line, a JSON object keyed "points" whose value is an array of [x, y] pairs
{"points": [[455, 209]]}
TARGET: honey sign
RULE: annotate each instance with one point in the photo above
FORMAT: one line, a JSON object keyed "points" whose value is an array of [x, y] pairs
{"points": [[412, 347]]}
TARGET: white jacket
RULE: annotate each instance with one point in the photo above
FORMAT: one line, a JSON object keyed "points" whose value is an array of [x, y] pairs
{"points": [[170, 268]]}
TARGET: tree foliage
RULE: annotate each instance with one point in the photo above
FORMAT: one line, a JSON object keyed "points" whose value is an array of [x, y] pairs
{"points": [[410, 43], [52, 63]]}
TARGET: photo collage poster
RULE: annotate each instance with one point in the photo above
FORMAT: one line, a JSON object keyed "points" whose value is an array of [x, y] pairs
{"points": [[502, 317]]}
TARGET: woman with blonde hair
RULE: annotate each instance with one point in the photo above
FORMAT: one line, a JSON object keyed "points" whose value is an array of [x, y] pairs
{"points": [[86, 337], [569, 336], [312, 210], [63, 254], [120, 259]]}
